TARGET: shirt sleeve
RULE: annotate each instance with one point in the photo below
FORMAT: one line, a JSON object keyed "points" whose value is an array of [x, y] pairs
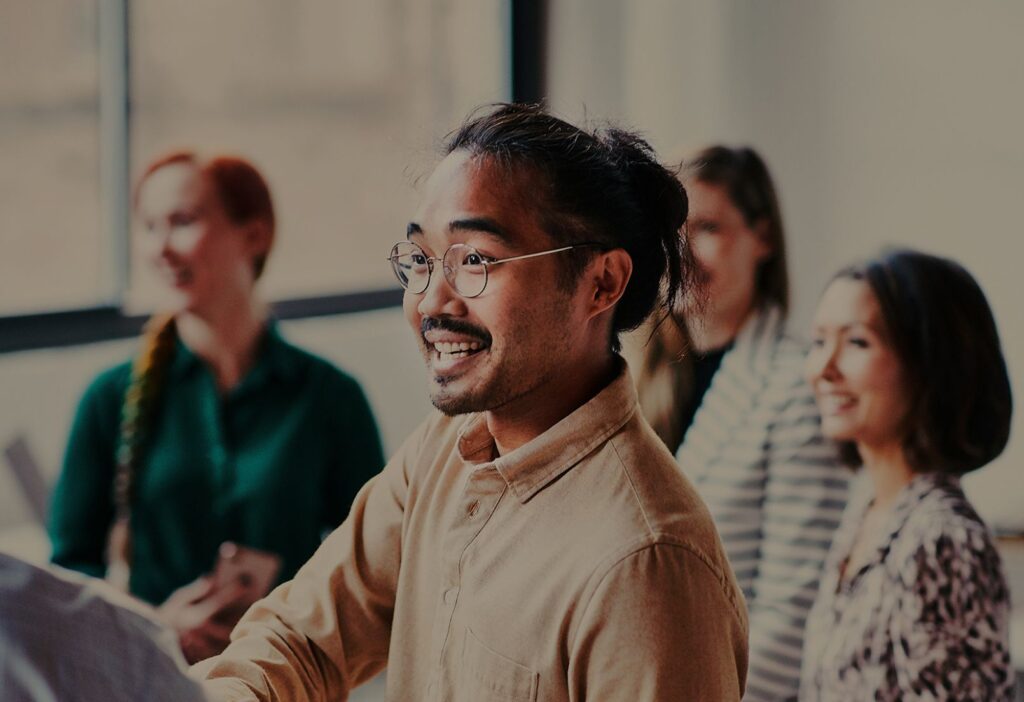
{"points": [[805, 493], [359, 455], [327, 630], [82, 506], [950, 629], [660, 626]]}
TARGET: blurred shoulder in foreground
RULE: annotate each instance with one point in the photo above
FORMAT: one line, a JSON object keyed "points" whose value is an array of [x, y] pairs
{"points": [[66, 636]]}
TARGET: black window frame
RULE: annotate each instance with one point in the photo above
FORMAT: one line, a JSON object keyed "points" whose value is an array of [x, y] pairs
{"points": [[527, 29]]}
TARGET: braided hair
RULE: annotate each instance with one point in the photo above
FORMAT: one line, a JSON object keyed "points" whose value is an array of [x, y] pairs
{"points": [[148, 375]]}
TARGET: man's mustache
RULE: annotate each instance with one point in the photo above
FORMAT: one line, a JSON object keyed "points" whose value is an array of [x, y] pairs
{"points": [[456, 326]]}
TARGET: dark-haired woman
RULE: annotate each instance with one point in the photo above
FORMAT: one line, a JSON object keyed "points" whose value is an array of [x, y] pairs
{"points": [[721, 382], [219, 430], [909, 374]]}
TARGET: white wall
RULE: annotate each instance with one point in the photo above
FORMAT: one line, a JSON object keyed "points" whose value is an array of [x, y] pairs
{"points": [[884, 123]]}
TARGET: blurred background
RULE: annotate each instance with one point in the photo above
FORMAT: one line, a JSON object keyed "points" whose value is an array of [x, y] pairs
{"points": [[884, 123]]}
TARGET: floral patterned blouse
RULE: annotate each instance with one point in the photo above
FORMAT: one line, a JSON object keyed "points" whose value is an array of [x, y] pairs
{"points": [[926, 618]]}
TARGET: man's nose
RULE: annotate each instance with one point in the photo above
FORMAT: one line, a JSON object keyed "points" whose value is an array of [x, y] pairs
{"points": [[440, 298]]}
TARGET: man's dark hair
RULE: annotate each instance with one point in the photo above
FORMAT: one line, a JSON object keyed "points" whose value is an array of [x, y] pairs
{"points": [[941, 327], [604, 186]]}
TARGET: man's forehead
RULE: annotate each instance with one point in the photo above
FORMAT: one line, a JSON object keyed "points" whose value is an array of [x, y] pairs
{"points": [[464, 179], [467, 192]]}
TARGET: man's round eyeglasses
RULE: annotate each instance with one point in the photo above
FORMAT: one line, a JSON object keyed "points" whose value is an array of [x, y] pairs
{"points": [[464, 267]]}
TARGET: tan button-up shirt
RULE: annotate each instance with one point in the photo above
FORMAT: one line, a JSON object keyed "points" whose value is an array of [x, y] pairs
{"points": [[581, 566]]}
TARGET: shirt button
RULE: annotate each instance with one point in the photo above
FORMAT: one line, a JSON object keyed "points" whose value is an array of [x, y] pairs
{"points": [[473, 508], [450, 594]]}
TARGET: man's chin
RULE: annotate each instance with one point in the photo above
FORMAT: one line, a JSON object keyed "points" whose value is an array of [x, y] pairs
{"points": [[450, 400], [452, 406], [448, 409]]}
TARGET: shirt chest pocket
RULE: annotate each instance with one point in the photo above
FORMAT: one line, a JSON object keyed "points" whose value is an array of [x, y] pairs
{"points": [[488, 676]]}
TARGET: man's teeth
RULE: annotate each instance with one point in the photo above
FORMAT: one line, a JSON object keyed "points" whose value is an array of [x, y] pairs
{"points": [[445, 347], [449, 350]]}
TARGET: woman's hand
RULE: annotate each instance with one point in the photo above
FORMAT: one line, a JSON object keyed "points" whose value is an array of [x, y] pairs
{"points": [[203, 614]]}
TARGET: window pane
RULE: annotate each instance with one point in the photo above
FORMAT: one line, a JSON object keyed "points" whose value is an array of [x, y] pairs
{"points": [[339, 104], [53, 254]]}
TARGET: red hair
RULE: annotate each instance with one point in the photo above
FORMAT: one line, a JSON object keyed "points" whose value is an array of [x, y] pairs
{"points": [[241, 189]]}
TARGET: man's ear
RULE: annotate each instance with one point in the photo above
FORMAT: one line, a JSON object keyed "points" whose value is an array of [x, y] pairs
{"points": [[608, 275]]}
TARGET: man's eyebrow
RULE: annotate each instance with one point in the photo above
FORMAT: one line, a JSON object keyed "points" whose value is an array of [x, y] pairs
{"points": [[484, 225], [481, 224]]}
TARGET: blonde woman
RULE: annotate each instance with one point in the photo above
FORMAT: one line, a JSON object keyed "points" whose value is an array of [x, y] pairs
{"points": [[721, 382]]}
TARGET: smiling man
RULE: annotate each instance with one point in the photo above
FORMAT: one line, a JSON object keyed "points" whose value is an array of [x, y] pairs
{"points": [[533, 540]]}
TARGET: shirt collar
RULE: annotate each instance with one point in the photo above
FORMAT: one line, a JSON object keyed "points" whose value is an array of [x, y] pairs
{"points": [[909, 497], [533, 466], [757, 339], [273, 359]]}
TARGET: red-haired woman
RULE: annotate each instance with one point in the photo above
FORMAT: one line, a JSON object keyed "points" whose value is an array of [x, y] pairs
{"points": [[219, 430]]}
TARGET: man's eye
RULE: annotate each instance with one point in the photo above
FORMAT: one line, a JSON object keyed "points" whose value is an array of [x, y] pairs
{"points": [[419, 259], [473, 259]]}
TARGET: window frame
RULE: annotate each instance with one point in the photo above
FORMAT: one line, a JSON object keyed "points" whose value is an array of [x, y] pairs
{"points": [[109, 320]]}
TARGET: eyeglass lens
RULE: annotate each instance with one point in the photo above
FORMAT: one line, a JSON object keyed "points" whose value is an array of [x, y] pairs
{"points": [[463, 266]]}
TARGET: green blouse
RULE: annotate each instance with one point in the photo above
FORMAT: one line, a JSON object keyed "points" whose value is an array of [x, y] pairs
{"points": [[272, 464]]}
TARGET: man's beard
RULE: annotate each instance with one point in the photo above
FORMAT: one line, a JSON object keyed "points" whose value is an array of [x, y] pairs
{"points": [[465, 402]]}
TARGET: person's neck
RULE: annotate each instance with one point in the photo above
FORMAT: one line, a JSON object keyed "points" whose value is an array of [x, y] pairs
{"points": [[714, 331], [527, 417], [226, 340], [888, 470]]}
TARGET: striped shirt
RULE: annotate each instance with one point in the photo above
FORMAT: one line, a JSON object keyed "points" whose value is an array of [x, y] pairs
{"points": [[775, 490]]}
